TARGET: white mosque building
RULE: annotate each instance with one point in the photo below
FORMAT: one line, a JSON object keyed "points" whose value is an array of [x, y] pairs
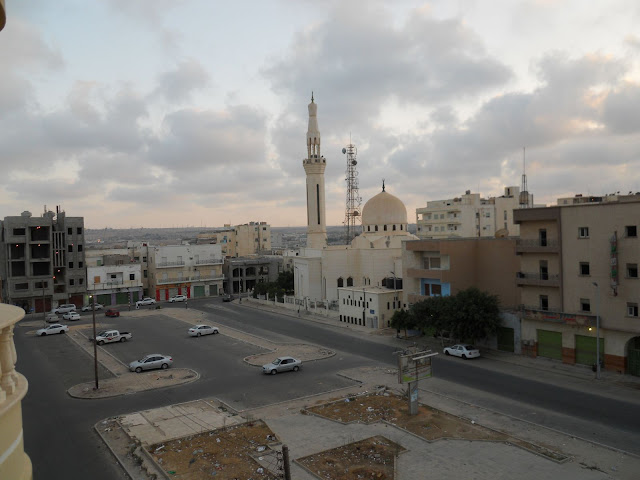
{"points": [[351, 276]]}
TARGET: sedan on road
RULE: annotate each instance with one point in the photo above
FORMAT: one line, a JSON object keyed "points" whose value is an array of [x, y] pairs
{"points": [[282, 364], [52, 329], [71, 316], [178, 298], [198, 330], [145, 301], [464, 351], [112, 313], [88, 308], [149, 362]]}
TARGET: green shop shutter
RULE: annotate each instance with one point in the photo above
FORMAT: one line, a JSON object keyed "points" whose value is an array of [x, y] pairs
{"points": [[586, 350], [213, 290], [122, 298], [104, 299], [506, 339], [550, 344], [198, 291]]}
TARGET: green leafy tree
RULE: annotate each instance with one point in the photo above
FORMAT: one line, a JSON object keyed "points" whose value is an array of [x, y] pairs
{"points": [[402, 320], [434, 315], [477, 314]]}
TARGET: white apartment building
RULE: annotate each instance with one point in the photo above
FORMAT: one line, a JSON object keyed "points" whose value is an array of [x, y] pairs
{"points": [[118, 284], [191, 270], [471, 216], [253, 238]]}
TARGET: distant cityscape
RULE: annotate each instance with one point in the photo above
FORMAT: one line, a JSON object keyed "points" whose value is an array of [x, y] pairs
{"points": [[281, 237]]}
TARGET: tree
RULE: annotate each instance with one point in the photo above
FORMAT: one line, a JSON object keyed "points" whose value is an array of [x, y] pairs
{"points": [[477, 314], [402, 320], [434, 315]]}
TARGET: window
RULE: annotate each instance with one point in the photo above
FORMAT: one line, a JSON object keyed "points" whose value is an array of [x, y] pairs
{"points": [[585, 305], [584, 268], [385, 228], [146, 274], [19, 231], [72, 282], [350, 282], [376, 228], [632, 270], [432, 263], [544, 302], [583, 232], [436, 289], [542, 236], [132, 276], [70, 264], [79, 230], [388, 305], [505, 215], [632, 309], [21, 286], [80, 281], [544, 270], [631, 231], [340, 282], [394, 228], [70, 248], [69, 231], [80, 264], [79, 247], [144, 259]]}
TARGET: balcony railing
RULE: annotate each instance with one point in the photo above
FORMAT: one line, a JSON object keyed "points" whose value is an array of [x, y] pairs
{"points": [[210, 261], [538, 279], [170, 264], [164, 281], [532, 312], [536, 245]]}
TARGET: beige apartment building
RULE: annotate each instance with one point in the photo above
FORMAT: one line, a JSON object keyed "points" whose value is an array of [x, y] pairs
{"points": [[471, 215], [253, 238], [445, 267], [580, 260]]}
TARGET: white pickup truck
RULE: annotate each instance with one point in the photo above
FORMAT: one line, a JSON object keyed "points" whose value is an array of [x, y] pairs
{"points": [[110, 336]]}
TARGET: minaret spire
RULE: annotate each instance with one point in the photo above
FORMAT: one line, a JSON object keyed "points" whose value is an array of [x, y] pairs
{"points": [[383, 184], [314, 166]]}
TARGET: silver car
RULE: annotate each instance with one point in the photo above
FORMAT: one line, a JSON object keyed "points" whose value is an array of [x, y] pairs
{"points": [[52, 329], [88, 308], [282, 364], [149, 362]]}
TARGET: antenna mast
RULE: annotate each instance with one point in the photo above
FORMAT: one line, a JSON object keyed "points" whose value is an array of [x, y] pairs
{"points": [[352, 214], [524, 194]]}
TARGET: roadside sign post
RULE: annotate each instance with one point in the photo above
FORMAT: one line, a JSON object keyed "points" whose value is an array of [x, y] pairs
{"points": [[412, 368]]}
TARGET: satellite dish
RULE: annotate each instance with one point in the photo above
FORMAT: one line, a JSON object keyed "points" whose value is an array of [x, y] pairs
{"points": [[344, 150], [503, 232]]}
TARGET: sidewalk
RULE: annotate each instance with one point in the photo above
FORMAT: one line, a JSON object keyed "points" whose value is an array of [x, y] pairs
{"points": [[306, 434]]}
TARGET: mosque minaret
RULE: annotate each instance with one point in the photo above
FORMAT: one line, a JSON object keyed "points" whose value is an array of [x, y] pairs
{"points": [[314, 166]]}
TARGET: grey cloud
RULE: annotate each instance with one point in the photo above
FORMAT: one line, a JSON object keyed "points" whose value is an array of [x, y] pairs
{"points": [[621, 109], [178, 84]]}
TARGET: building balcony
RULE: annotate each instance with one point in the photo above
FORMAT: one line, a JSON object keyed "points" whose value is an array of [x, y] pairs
{"points": [[535, 313], [114, 284], [415, 297], [210, 261], [194, 279], [423, 273], [537, 279], [535, 245], [169, 264], [14, 462]]}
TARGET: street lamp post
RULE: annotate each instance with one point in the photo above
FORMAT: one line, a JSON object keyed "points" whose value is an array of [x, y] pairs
{"points": [[95, 343], [595, 284], [394, 279]]}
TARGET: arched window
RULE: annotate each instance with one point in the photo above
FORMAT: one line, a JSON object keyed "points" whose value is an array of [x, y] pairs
{"points": [[340, 282], [385, 228], [394, 228], [349, 282], [376, 228], [400, 227]]}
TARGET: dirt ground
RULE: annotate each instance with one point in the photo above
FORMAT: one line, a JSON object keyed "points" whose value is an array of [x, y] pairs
{"points": [[251, 450]]}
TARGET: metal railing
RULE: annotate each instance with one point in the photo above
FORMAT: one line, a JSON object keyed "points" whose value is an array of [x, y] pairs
{"points": [[536, 242], [164, 281], [210, 261], [169, 264], [542, 277]]}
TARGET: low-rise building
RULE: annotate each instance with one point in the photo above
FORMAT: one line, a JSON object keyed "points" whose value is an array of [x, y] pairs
{"points": [[191, 270], [253, 238], [243, 273], [369, 306]]}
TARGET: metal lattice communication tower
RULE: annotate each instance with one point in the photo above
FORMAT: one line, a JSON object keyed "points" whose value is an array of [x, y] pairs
{"points": [[524, 194], [353, 213]]}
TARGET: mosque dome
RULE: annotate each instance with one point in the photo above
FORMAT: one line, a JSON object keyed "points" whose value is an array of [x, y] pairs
{"points": [[384, 210]]}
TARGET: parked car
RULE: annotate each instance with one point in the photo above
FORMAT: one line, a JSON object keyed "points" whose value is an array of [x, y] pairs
{"points": [[112, 313], [282, 364], [52, 329], [145, 301], [178, 298], [227, 297], [198, 330], [88, 308], [149, 362], [464, 351], [52, 318], [71, 316], [64, 308], [111, 336]]}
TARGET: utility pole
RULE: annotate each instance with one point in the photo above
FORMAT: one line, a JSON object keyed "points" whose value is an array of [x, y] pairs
{"points": [[44, 309], [95, 343]]}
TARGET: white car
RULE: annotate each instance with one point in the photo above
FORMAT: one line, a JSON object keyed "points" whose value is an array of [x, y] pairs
{"points": [[88, 308], [461, 350], [178, 298], [64, 308], [198, 330], [52, 329], [71, 316], [145, 301], [282, 364]]}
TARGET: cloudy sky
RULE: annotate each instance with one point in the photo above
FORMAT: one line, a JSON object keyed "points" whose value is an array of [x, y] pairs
{"points": [[162, 113]]}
